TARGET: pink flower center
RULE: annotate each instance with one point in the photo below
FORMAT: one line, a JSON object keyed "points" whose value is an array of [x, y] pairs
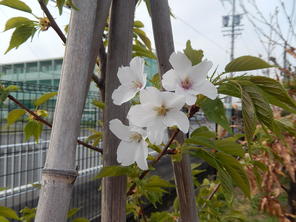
{"points": [[137, 84], [186, 84]]}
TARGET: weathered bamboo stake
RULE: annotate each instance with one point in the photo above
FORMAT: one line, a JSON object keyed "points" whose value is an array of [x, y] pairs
{"points": [[119, 53], [86, 29], [164, 43]]}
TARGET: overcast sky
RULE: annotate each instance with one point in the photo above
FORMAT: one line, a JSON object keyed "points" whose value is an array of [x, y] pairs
{"points": [[197, 20]]}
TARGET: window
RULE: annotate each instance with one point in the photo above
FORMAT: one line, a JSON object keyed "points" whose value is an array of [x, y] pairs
{"points": [[32, 67], [45, 82], [7, 69], [56, 82], [45, 66], [19, 68], [31, 82], [58, 65]]}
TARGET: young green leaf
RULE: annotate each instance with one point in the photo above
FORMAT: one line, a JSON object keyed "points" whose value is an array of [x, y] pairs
{"points": [[72, 212], [138, 24], [44, 98], [203, 131], [143, 37], [215, 111], [235, 170], [112, 171], [20, 35], [15, 115], [195, 56], [18, 21], [60, 5], [230, 147], [249, 115], [99, 104], [33, 128], [16, 4], [246, 63], [3, 219], [80, 219], [8, 213]]}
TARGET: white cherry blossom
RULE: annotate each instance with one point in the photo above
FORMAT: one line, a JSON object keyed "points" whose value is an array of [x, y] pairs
{"points": [[132, 80], [132, 147], [188, 80], [157, 111]]}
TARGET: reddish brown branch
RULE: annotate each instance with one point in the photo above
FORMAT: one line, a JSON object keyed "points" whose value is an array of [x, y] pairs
{"points": [[40, 119], [57, 29], [53, 23]]}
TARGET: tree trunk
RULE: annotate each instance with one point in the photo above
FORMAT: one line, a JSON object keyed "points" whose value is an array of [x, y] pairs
{"points": [[86, 28], [164, 43], [119, 53]]}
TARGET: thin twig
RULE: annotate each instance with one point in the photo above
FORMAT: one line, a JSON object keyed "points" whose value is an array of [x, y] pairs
{"points": [[40, 119], [57, 29], [211, 195], [53, 23]]}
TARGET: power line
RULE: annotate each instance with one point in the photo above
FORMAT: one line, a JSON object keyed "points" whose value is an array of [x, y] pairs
{"points": [[201, 34]]}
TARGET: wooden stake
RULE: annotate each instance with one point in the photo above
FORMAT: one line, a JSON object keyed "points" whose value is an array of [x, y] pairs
{"points": [[86, 28], [164, 43], [119, 53]]}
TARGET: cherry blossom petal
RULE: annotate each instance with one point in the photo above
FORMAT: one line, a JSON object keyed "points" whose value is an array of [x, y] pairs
{"points": [[125, 75], [207, 89], [177, 118], [141, 156], [173, 100], [156, 133], [119, 130], [151, 95], [123, 94], [180, 62], [169, 80], [126, 153], [141, 115], [137, 66], [200, 71], [190, 99]]}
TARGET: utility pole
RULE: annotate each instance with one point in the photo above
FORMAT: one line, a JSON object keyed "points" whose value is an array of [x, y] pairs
{"points": [[230, 24]]}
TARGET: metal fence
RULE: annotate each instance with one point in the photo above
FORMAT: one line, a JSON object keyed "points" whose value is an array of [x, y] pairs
{"points": [[21, 161]]}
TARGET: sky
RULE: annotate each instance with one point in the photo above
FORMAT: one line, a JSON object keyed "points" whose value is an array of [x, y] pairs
{"points": [[197, 20]]}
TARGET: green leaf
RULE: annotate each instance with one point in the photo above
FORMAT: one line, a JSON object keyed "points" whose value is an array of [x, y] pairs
{"points": [[20, 35], [3, 95], [230, 89], [112, 171], [3, 219], [204, 132], [72, 212], [99, 104], [33, 128], [201, 141], [230, 147], [44, 98], [215, 111], [16, 22], [80, 219], [249, 115], [156, 81], [139, 50], [138, 24], [275, 92], [195, 56], [3, 188], [246, 63], [236, 171], [143, 37], [11, 88], [60, 5], [16, 4], [156, 181], [8, 213], [15, 115]]}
